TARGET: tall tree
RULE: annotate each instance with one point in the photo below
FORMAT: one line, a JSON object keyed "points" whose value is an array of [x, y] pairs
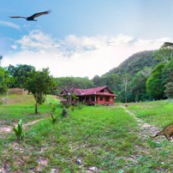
{"points": [[125, 84], [138, 85], [165, 53], [167, 74], [169, 90], [96, 80], [40, 83], [3, 80], [154, 83], [73, 82], [19, 74]]}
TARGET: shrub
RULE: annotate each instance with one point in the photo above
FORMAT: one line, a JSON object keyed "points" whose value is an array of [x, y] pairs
{"points": [[64, 113]]}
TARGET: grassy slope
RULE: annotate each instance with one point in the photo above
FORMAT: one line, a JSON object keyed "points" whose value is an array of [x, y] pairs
{"points": [[104, 137], [159, 113], [22, 107]]}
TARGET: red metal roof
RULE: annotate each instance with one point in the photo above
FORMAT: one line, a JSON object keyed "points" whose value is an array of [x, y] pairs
{"points": [[92, 91]]}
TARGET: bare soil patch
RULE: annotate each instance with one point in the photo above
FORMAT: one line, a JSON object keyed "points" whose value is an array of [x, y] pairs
{"points": [[7, 129]]}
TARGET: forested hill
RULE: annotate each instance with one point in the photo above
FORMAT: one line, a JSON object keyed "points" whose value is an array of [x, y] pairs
{"points": [[128, 80], [135, 63]]}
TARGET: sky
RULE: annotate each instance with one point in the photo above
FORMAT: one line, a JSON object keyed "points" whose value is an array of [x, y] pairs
{"points": [[82, 38]]}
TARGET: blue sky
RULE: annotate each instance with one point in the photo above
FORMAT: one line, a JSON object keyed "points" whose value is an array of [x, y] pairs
{"points": [[82, 38]]}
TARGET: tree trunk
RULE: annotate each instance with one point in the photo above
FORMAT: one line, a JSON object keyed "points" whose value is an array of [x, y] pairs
{"points": [[36, 108]]}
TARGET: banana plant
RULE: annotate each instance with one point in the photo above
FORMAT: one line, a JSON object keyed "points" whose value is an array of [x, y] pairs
{"points": [[53, 108], [54, 119], [19, 130]]}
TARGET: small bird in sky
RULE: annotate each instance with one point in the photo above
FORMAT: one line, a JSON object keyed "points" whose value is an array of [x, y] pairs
{"points": [[32, 18]]}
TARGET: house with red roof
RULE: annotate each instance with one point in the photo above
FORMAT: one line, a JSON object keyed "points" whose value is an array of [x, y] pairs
{"points": [[91, 96]]}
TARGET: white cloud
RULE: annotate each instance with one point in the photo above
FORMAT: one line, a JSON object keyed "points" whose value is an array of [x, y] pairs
{"points": [[9, 24], [76, 56], [36, 40]]}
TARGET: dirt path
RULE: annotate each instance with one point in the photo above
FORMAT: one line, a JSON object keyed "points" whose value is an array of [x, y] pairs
{"points": [[146, 130], [8, 129]]}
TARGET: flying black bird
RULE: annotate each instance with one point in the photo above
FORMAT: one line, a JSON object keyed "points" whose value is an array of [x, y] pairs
{"points": [[32, 18]]}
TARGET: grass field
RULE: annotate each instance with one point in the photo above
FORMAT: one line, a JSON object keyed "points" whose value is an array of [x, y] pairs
{"points": [[159, 113], [92, 139]]}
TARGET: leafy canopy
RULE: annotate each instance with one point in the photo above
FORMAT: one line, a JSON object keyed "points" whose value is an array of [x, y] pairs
{"points": [[19, 74], [154, 83], [40, 83], [3, 80]]}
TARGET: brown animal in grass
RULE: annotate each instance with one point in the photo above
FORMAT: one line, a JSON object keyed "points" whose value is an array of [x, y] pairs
{"points": [[167, 132]]}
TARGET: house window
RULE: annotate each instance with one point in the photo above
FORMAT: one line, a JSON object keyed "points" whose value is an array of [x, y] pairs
{"points": [[101, 98]]}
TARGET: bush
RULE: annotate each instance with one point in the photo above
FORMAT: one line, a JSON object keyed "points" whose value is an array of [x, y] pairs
{"points": [[65, 113]]}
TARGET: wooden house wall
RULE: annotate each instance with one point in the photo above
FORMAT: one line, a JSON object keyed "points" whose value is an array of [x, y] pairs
{"points": [[104, 100]]}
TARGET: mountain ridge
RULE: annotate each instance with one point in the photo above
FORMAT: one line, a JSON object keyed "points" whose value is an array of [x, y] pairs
{"points": [[135, 63]]}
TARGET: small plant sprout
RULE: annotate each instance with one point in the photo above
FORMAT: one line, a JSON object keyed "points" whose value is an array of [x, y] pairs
{"points": [[71, 107], [19, 130], [54, 119], [53, 108]]}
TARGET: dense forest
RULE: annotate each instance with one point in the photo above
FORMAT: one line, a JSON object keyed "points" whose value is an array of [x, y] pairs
{"points": [[143, 76], [146, 75]]}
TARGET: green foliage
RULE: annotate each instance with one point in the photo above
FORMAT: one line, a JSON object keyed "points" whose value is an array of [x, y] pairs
{"points": [[165, 53], [125, 87], [54, 119], [79, 105], [158, 113], [104, 137], [19, 131], [21, 107], [154, 83], [153, 144], [72, 82], [96, 80], [3, 80], [19, 74], [138, 67], [138, 85], [167, 72], [53, 109], [65, 112], [40, 83], [136, 63], [71, 107], [169, 90]]}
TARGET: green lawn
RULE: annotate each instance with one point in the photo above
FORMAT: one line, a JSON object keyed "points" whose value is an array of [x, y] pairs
{"points": [[22, 107], [159, 113], [104, 137]]}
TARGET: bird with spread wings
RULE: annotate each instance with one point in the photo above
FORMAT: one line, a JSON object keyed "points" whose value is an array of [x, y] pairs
{"points": [[32, 18]]}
